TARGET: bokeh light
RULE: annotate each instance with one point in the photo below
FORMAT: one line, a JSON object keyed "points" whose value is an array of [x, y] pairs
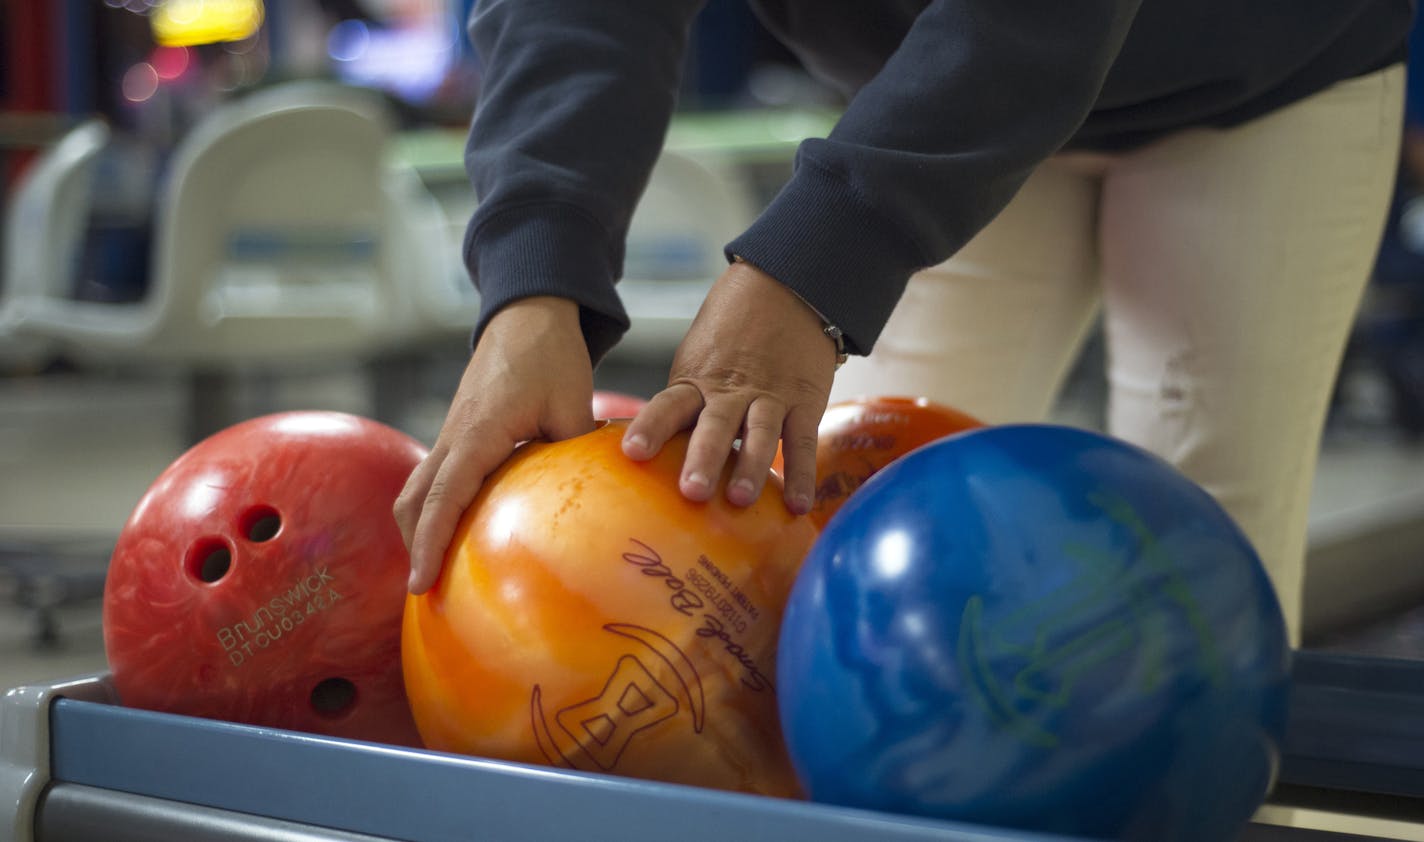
{"points": [[348, 40], [140, 82], [169, 62]]}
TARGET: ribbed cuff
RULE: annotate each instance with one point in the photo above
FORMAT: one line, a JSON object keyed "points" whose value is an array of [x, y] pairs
{"points": [[835, 250], [547, 249]]}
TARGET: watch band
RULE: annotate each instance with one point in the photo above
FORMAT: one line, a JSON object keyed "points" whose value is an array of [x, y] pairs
{"points": [[837, 336]]}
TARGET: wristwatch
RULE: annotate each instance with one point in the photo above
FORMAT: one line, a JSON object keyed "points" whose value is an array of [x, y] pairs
{"points": [[835, 334]]}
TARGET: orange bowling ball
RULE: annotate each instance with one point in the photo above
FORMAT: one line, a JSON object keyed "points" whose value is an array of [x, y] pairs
{"points": [[590, 617], [858, 437]]}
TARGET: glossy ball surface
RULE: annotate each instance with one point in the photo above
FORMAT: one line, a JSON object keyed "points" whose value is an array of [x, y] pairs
{"points": [[1037, 627], [261, 580], [589, 617], [609, 404], [856, 438]]}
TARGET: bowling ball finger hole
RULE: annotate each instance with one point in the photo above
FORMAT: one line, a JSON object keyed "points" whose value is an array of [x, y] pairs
{"points": [[333, 697], [261, 523], [209, 559]]}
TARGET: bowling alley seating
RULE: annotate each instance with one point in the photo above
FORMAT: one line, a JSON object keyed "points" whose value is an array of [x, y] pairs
{"points": [[44, 228], [284, 233], [694, 204], [706, 186], [43, 231]]}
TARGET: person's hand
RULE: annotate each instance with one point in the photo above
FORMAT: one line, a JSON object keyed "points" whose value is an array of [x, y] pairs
{"points": [[755, 364], [529, 378]]}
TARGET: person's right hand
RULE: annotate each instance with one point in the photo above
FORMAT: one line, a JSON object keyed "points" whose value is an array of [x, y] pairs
{"points": [[529, 378]]}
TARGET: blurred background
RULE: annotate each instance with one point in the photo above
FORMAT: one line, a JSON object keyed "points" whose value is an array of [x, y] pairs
{"points": [[216, 209]]}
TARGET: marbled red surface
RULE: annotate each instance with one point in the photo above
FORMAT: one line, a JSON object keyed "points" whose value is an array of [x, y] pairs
{"points": [[609, 404], [318, 600]]}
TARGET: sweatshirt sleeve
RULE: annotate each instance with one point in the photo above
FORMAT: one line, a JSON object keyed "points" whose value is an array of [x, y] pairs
{"points": [[931, 149], [575, 102]]}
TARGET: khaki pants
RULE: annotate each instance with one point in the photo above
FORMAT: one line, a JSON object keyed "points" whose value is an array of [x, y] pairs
{"points": [[1228, 266]]}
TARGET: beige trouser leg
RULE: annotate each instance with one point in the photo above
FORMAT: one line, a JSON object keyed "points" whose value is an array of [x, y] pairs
{"points": [[1229, 264], [994, 330]]}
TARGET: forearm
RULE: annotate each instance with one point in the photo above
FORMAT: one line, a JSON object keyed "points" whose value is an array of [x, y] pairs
{"points": [[978, 94], [575, 101]]}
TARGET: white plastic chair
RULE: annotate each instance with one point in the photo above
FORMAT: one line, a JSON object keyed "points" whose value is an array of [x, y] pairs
{"points": [[44, 232], [429, 242], [692, 206], [281, 232]]}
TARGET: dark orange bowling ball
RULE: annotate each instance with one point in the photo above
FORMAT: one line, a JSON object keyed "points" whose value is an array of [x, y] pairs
{"points": [[261, 579], [858, 437], [590, 617]]}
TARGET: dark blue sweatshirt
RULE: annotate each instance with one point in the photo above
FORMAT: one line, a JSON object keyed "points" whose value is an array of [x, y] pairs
{"points": [[952, 104]]}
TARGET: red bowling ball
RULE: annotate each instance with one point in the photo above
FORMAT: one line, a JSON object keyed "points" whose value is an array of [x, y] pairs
{"points": [[261, 580], [608, 404]]}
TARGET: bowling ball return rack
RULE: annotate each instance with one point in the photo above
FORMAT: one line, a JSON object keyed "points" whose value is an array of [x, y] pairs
{"points": [[74, 765]]}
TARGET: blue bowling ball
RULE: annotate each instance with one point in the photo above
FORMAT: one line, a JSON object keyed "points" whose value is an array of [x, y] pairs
{"points": [[1037, 627]]}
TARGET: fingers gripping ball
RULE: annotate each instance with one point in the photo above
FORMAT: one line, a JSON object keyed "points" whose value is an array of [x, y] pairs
{"points": [[590, 617], [261, 580], [1038, 627]]}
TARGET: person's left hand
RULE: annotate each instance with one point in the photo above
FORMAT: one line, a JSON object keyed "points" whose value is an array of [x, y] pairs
{"points": [[756, 365]]}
